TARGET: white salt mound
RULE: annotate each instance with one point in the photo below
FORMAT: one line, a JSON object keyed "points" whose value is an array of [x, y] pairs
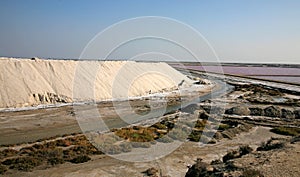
{"points": [[27, 82]]}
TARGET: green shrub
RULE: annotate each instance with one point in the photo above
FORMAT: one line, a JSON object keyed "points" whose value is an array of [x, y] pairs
{"points": [[195, 136], [137, 134]]}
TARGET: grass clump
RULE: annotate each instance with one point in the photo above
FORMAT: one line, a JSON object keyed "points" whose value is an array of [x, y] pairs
{"points": [[22, 163], [137, 134], [223, 127], [200, 124], [7, 153], [195, 136], [159, 125]]}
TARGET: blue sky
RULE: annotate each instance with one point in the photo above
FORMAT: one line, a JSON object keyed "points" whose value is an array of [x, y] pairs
{"points": [[239, 31]]}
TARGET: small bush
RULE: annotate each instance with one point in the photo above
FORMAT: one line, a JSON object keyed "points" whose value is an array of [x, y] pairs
{"points": [[137, 134], [200, 124], [38, 146], [159, 125], [230, 155], [245, 150], [8, 153], [223, 127], [80, 159], [195, 136], [23, 163]]}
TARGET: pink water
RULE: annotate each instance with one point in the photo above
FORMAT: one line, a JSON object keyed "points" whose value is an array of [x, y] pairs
{"points": [[285, 74]]}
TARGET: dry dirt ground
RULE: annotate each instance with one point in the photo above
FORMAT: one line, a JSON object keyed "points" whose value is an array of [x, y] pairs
{"points": [[174, 164], [274, 108]]}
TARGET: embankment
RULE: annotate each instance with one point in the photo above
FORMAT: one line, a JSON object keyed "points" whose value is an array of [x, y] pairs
{"points": [[31, 82]]}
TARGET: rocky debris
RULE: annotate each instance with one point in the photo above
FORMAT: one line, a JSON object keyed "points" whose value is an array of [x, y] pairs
{"points": [[200, 169], [251, 173], [286, 113], [35, 59], [218, 136], [232, 132], [213, 109], [243, 150], [190, 108], [239, 110], [151, 171], [51, 98], [295, 139], [202, 114], [256, 111], [272, 111], [273, 143], [218, 168]]}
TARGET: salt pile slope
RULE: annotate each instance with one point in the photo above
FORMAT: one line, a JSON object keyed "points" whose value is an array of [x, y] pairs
{"points": [[26, 82]]}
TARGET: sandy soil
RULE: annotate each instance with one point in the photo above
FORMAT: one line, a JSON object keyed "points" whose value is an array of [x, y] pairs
{"points": [[175, 164]]}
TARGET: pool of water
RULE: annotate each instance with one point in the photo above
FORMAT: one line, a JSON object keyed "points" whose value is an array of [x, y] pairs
{"points": [[285, 74]]}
